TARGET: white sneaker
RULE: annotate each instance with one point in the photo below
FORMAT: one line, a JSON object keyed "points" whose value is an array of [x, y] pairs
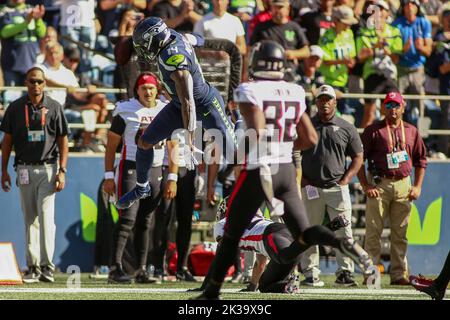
{"points": [[312, 282]]}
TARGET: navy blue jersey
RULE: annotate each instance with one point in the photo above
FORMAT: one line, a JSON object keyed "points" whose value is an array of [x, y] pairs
{"points": [[180, 55]]}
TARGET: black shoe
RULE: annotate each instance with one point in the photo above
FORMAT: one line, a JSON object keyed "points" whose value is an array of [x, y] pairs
{"points": [[119, 276], [185, 275], [346, 279], [143, 277], [32, 275], [46, 274]]}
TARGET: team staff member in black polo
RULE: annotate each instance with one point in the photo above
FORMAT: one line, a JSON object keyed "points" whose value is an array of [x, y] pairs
{"points": [[37, 129], [325, 181]]}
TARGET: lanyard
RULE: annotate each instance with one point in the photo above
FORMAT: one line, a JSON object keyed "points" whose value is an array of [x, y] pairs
{"points": [[27, 119], [403, 142]]}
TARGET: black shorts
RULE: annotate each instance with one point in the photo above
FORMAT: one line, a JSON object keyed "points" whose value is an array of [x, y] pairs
{"points": [[376, 83], [248, 196]]}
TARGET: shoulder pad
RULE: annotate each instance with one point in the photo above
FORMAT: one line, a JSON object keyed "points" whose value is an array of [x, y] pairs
{"points": [[175, 60]]}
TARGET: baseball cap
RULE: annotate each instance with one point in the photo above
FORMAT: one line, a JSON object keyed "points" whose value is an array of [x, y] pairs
{"points": [[393, 97], [326, 90], [345, 15], [316, 51], [279, 2], [381, 4]]}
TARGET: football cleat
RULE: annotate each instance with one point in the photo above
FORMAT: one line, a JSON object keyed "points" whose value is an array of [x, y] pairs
{"points": [[117, 275], [427, 286], [131, 197], [354, 251]]}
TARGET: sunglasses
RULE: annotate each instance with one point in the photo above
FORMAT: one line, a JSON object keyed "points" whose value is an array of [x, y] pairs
{"points": [[392, 105], [34, 81]]}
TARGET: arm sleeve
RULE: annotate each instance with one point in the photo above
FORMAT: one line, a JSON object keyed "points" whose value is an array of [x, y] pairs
{"points": [[367, 143], [11, 30], [62, 128], [302, 40], [397, 42], [6, 124], [426, 29], [41, 28], [354, 145], [118, 125], [419, 156]]}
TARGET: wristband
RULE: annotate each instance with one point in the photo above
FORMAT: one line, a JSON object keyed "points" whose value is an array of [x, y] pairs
{"points": [[297, 159], [109, 175], [172, 176]]}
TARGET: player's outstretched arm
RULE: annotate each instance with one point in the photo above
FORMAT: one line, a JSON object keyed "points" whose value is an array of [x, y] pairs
{"points": [[307, 135], [185, 91]]}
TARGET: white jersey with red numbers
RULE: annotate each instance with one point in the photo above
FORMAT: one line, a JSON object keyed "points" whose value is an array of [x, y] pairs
{"points": [[252, 239], [137, 118], [283, 104]]}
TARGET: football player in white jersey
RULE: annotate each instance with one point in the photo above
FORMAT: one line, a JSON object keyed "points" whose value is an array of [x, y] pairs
{"points": [[272, 240], [273, 110], [130, 118]]}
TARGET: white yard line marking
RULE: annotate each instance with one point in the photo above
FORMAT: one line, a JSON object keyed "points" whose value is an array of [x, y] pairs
{"points": [[394, 292]]}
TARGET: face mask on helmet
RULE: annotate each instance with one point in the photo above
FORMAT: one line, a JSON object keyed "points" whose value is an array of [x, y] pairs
{"points": [[149, 37]]}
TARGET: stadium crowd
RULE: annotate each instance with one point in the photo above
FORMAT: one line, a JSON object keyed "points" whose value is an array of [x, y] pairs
{"points": [[362, 46], [355, 46]]}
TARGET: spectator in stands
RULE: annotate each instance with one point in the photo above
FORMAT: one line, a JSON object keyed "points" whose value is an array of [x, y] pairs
{"points": [[245, 10], [129, 20], [417, 46], [441, 64], [261, 16], [392, 148], [325, 181], [57, 75], [177, 14], [51, 35], [285, 32], [310, 76], [378, 48], [220, 24], [21, 26], [77, 23], [317, 22], [432, 10], [338, 45], [37, 128]]}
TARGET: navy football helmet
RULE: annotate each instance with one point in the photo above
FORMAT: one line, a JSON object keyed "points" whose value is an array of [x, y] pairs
{"points": [[150, 36], [267, 60]]}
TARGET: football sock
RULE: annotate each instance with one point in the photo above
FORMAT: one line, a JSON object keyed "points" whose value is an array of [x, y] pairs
{"points": [[144, 161]]}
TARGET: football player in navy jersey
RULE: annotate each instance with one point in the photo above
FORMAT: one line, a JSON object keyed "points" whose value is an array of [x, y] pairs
{"points": [[274, 110], [192, 98]]}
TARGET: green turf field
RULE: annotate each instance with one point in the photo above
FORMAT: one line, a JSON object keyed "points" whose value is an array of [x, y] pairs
{"points": [[99, 289]]}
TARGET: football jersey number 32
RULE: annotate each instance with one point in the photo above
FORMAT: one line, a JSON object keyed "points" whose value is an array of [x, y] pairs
{"points": [[281, 119]]}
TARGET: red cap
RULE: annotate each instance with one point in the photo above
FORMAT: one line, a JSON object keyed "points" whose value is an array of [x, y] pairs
{"points": [[393, 96], [146, 79]]}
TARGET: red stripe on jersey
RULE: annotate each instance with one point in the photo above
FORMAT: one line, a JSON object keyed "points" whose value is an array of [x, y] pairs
{"points": [[255, 237], [272, 243], [236, 189]]}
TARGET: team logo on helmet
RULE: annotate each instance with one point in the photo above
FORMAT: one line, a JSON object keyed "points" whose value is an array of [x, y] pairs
{"points": [[154, 30]]}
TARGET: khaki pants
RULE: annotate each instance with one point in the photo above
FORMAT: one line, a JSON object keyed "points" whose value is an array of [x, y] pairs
{"points": [[334, 201], [38, 207], [393, 204]]}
